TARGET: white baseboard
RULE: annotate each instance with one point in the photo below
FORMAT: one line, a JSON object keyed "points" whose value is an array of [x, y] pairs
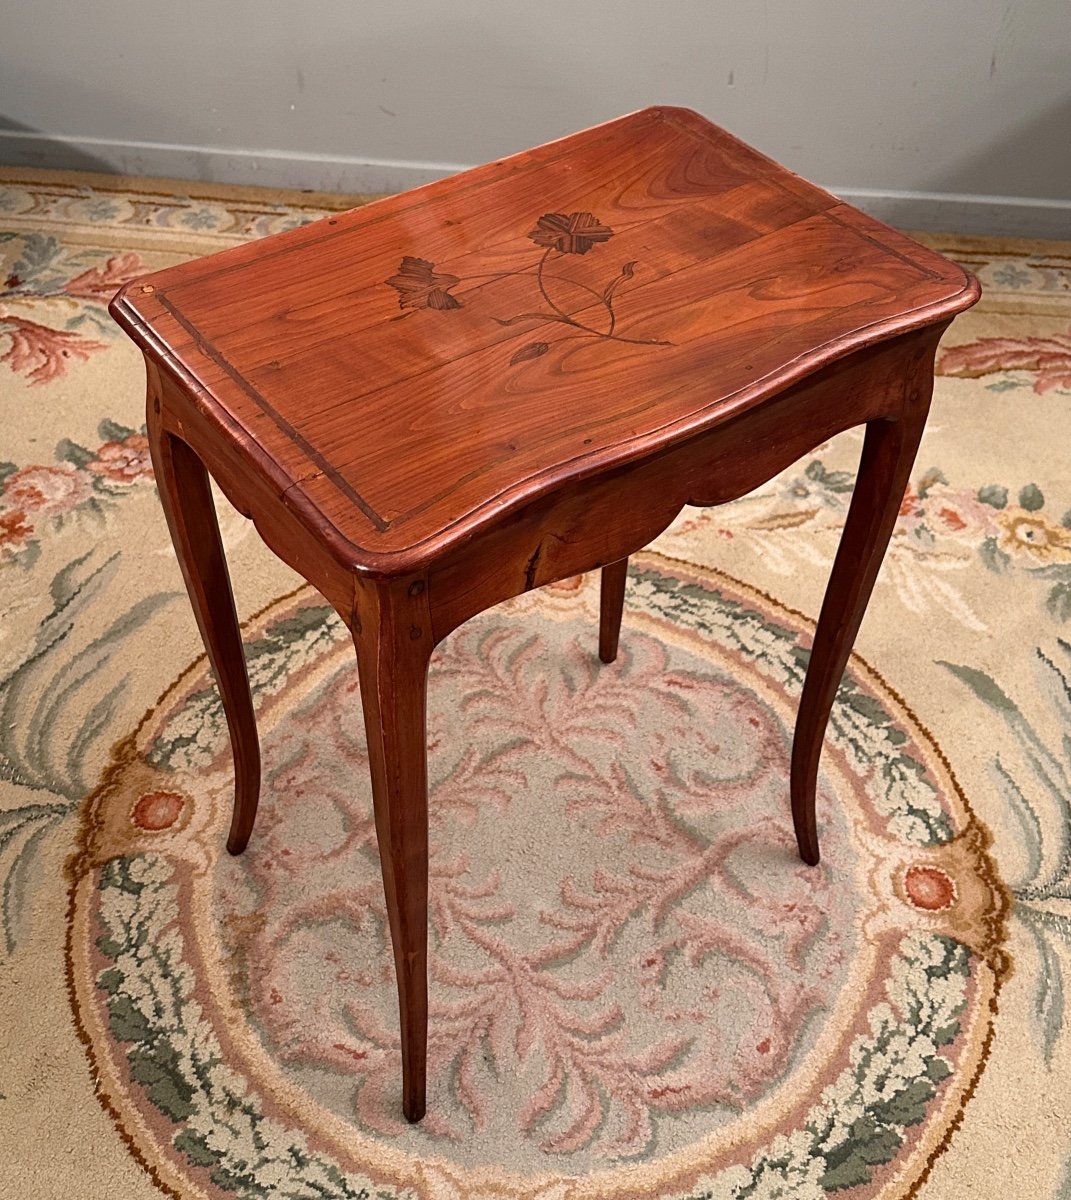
{"points": [[956, 212], [268, 168], [946, 212]]}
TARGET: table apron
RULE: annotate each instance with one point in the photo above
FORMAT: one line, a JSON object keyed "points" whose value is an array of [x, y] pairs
{"points": [[587, 524]]}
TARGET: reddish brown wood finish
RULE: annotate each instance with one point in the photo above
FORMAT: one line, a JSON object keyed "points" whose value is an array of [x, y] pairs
{"points": [[392, 634], [186, 499], [888, 454], [450, 397], [611, 606]]}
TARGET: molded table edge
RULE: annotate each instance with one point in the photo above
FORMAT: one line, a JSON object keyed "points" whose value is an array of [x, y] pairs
{"points": [[419, 555]]}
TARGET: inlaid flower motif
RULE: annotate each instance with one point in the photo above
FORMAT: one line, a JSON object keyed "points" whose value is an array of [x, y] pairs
{"points": [[53, 489], [574, 233], [419, 286], [123, 462]]}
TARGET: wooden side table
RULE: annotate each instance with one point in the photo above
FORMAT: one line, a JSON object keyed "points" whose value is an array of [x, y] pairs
{"points": [[447, 398]]}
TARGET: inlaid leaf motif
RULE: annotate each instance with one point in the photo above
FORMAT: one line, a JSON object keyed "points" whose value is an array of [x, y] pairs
{"points": [[532, 350], [627, 271], [532, 316], [418, 285]]}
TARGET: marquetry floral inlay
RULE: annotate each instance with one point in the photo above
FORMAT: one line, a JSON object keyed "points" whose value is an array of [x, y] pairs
{"points": [[419, 287], [572, 234], [560, 235]]}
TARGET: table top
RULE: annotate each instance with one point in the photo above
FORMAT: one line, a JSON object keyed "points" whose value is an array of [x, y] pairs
{"points": [[408, 370]]}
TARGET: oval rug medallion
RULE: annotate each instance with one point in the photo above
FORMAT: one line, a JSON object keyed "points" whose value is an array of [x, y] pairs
{"points": [[636, 986]]}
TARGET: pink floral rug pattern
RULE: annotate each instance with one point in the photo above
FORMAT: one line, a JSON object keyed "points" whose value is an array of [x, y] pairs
{"points": [[629, 963]]}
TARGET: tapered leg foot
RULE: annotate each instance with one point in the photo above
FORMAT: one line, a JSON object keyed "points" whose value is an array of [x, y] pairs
{"points": [[884, 468], [191, 516], [393, 647], [611, 605]]}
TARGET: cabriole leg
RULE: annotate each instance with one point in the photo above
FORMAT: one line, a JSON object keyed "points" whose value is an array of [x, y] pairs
{"points": [[393, 639], [191, 516], [888, 454]]}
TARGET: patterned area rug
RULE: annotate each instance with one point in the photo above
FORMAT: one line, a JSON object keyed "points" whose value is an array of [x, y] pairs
{"points": [[637, 989]]}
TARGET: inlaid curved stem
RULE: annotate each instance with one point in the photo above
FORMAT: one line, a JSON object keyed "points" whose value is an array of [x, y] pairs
{"points": [[191, 517], [884, 467], [611, 606]]}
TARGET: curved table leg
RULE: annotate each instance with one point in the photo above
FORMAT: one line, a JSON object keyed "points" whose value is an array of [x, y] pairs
{"points": [[191, 516], [884, 467], [611, 605], [393, 641]]}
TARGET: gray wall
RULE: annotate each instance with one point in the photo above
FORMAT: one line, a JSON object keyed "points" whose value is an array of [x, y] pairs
{"points": [[953, 113]]}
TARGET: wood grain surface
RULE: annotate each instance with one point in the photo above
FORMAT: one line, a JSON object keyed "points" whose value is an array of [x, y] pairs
{"points": [[414, 368]]}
